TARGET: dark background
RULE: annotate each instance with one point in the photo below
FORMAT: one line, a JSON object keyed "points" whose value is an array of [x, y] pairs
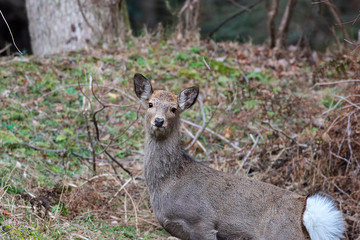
{"points": [[310, 20]]}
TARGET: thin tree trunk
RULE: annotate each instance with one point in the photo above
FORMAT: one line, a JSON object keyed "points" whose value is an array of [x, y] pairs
{"points": [[337, 16], [66, 25], [284, 25], [189, 17], [271, 13]]}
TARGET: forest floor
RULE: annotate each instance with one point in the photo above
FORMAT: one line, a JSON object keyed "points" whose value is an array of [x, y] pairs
{"points": [[290, 119]]}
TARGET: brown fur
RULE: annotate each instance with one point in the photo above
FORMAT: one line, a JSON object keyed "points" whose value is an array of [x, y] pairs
{"points": [[193, 201]]}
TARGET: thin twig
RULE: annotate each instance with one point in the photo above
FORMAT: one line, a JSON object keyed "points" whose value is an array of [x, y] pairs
{"points": [[248, 153], [239, 5], [206, 64], [199, 132], [349, 140], [59, 151], [5, 48], [337, 156], [352, 104], [135, 211], [45, 149], [279, 131], [121, 188], [103, 106], [213, 133], [90, 141], [232, 17], [96, 126], [12, 37], [336, 82], [85, 18], [187, 131]]}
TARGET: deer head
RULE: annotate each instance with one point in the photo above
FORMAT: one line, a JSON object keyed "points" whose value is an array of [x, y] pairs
{"points": [[163, 108]]}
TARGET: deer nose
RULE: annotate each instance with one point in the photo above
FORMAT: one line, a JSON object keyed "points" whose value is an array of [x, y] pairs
{"points": [[159, 122]]}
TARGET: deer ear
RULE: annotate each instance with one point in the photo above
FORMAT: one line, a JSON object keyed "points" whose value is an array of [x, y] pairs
{"points": [[142, 87], [188, 97]]}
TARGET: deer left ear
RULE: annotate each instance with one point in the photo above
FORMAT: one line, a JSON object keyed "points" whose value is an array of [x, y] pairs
{"points": [[142, 87], [188, 97]]}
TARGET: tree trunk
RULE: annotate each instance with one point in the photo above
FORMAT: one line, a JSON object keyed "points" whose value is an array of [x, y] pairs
{"points": [[60, 26], [284, 25], [189, 17], [271, 13]]}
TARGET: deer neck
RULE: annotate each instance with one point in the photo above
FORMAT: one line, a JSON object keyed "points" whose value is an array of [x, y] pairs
{"points": [[163, 159]]}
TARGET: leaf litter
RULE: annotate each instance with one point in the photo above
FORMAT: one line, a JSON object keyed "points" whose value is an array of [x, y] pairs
{"points": [[291, 129]]}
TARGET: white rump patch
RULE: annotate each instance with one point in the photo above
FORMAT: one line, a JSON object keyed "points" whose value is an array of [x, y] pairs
{"points": [[322, 219]]}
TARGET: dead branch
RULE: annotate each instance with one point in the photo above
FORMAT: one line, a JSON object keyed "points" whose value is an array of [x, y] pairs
{"points": [[197, 135], [239, 5], [336, 82], [188, 132], [135, 212], [121, 188], [213, 133], [61, 151], [248, 153], [45, 149], [5, 48], [12, 37], [103, 106], [348, 131], [279, 131], [92, 149]]}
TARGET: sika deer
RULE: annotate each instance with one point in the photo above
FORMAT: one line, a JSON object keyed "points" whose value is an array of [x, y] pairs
{"points": [[193, 201]]}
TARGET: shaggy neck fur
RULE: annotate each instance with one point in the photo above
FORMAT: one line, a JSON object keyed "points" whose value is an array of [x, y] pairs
{"points": [[163, 159]]}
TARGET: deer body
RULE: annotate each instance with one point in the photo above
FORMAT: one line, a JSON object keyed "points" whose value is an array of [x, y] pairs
{"points": [[193, 201]]}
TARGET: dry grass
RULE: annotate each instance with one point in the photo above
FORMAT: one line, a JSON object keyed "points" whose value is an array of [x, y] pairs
{"points": [[291, 135]]}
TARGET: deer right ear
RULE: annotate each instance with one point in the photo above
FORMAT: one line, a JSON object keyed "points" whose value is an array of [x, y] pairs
{"points": [[188, 97], [142, 87]]}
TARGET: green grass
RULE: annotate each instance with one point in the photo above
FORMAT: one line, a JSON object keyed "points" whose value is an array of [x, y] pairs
{"points": [[43, 106]]}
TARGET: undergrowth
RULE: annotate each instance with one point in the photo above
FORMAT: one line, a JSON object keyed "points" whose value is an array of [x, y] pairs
{"points": [[279, 127]]}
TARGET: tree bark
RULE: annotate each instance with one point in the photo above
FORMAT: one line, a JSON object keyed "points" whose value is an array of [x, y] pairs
{"points": [[284, 25], [272, 12], [189, 17], [60, 26]]}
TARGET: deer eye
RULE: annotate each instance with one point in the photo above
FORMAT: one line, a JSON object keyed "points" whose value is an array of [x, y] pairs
{"points": [[173, 110], [150, 105]]}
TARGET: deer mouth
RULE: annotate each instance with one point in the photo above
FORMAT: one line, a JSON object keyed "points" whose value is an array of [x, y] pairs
{"points": [[155, 128]]}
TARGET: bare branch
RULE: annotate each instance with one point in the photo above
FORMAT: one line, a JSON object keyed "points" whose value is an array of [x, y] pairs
{"points": [[103, 106], [232, 17], [336, 82], [249, 152], [213, 133], [239, 5], [202, 127], [279, 131], [45, 149], [12, 37], [5, 48]]}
